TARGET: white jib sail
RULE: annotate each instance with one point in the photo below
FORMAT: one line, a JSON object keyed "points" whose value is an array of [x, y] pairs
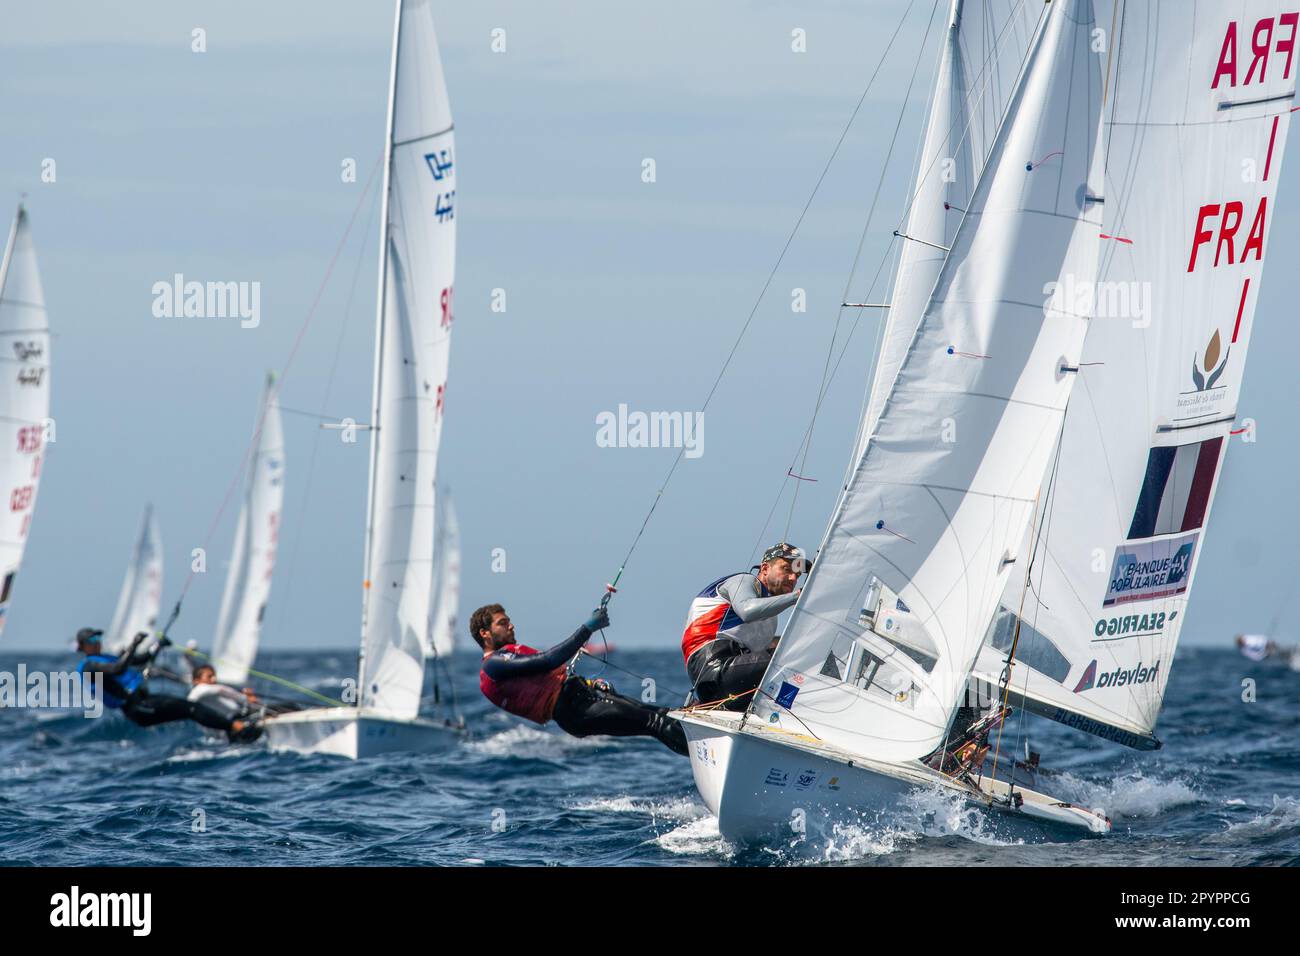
{"points": [[414, 335], [944, 491], [1197, 116], [24, 398], [252, 559], [446, 580], [983, 51], [140, 600]]}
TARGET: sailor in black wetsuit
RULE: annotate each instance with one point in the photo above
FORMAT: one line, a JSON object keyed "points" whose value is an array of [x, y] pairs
{"points": [[241, 709], [533, 684], [125, 688]]}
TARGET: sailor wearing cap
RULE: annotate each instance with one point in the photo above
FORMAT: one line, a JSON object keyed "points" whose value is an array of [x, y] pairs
{"points": [[731, 628]]}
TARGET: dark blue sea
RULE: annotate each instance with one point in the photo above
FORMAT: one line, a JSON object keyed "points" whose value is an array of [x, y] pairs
{"points": [[74, 791]]}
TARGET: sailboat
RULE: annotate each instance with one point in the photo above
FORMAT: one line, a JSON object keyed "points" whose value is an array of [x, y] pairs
{"points": [[445, 600], [1155, 408], [24, 397], [1049, 553], [413, 338], [252, 558], [140, 599]]}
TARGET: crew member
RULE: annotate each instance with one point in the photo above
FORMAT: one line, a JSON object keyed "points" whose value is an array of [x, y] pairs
{"points": [[535, 685], [730, 631]]}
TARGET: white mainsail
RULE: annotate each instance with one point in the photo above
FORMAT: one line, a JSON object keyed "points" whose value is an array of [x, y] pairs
{"points": [[945, 488], [446, 580], [417, 264], [24, 397], [252, 560], [140, 599], [1197, 116], [984, 48]]}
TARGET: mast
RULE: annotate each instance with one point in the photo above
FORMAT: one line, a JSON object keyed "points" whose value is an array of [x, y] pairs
{"points": [[379, 353], [19, 216]]}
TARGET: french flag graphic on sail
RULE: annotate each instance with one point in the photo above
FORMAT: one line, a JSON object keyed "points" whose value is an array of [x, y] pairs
{"points": [[1176, 490]]}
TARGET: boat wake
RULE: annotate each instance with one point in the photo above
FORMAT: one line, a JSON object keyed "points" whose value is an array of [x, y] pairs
{"points": [[527, 742], [693, 830], [1280, 819], [1131, 795]]}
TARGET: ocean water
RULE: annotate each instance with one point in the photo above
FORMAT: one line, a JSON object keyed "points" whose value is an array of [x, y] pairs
{"points": [[74, 791]]}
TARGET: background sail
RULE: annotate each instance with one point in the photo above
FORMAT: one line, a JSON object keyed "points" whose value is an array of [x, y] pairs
{"points": [[446, 580], [141, 596], [252, 560], [412, 371], [945, 489], [24, 397], [1196, 132], [984, 49]]}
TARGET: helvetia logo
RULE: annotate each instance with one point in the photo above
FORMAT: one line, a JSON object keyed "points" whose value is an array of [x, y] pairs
{"points": [[1119, 677]]}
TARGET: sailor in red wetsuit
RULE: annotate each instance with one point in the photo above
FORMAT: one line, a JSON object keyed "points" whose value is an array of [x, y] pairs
{"points": [[731, 627], [533, 684]]}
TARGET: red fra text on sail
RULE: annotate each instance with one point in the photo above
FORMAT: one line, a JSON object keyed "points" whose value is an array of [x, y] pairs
{"points": [[1224, 221], [1268, 36]]}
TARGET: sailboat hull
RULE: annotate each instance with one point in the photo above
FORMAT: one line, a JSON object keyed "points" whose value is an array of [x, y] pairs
{"points": [[357, 734], [765, 785]]}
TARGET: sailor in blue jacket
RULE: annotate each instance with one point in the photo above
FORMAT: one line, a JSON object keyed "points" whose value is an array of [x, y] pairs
{"points": [[125, 687]]}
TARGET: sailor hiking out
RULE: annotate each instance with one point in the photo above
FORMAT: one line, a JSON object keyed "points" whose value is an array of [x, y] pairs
{"points": [[536, 684]]}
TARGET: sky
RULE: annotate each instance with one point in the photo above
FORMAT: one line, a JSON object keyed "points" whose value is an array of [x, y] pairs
{"points": [[224, 165]]}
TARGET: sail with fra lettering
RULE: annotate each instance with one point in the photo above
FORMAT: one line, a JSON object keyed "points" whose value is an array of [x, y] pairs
{"points": [[926, 524], [140, 599], [1197, 122], [24, 398], [252, 558]]}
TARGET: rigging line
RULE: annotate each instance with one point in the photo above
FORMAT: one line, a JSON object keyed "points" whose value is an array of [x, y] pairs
{"points": [[986, 76], [316, 415], [282, 681], [261, 420], [329, 385], [608, 663], [763, 291], [1036, 538], [857, 258], [853, 327]]}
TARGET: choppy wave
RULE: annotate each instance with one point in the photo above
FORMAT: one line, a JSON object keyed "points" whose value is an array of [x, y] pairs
{"points": [[78, 791]]}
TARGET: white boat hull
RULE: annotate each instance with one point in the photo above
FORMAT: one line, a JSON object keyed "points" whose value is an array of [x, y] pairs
{"points": [[355, 733], [766, 785]]}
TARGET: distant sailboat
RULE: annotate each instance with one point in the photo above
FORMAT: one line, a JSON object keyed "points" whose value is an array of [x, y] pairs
{"points": [[140, 600], [252, 558], [445, 600], [413, 338], [24, 397]]}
